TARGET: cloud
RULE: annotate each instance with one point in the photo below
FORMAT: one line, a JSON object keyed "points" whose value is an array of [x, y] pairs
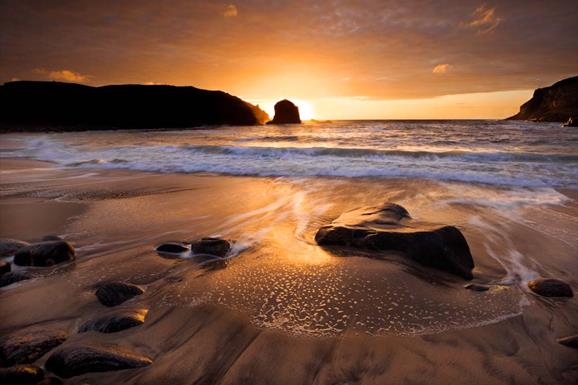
{"points": [[230, 11], [62, 75], [441, 68], [484, 19]]}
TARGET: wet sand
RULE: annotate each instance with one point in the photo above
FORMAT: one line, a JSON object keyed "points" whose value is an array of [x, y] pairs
{"points": [[285, 311]]}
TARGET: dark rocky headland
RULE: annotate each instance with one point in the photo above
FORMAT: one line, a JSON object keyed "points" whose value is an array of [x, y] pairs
{"points": [[41, 106], [557, 103]]}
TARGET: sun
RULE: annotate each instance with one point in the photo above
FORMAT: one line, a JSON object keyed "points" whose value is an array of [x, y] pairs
{"points": [[306, 110]]}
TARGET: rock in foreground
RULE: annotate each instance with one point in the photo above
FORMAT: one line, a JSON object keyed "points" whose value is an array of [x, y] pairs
{"points": [[549, 287], [76, 360], [9, 247], [45, 254], [21, 375], [115, 293], [212, 246], [286, 113], [4, 267], [26, 346], [570, 341], [13, 277], [390, 229], [115, 322]]}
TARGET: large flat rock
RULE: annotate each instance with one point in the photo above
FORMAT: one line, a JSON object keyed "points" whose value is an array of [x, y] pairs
{"points": [[391, 229]]}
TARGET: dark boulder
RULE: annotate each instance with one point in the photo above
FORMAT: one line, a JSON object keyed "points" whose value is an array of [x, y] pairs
{"points": [[173, 248], [51, 238], [13, 277], [549, 287], [115, 322], [26, 346], [45, 254], [4, 267], [212, 246], [286, 113], [115, 293], [21, 375], [9, 247], [390, 229], [73, 361], [570, 341]]}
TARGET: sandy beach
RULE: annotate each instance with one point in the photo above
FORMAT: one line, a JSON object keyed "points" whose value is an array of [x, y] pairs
{"points": [[284, 310]]}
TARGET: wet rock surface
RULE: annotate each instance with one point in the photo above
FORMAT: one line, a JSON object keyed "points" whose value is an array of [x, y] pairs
{"points": [[550, 287], [44, 254], [21, 375], [72, 361], [4, 267], [13, 277], [173, 248], [570, 341], [115, 293], [212, 246], [477, 287], [9, 247], [115, 322], [389, 228], [26, 346]]}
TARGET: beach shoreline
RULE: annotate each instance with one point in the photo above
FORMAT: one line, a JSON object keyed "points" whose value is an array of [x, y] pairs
{"points": [[285, 310]]}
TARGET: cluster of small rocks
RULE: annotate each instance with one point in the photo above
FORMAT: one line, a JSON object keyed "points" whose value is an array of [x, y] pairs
{"points": [[21, 349]]}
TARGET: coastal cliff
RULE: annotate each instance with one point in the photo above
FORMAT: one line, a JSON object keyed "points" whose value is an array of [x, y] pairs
{"points": [[39, 106], [556, 103]]}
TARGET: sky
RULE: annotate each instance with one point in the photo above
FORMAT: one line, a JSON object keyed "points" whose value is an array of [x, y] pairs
{"points": [[363, 59]]}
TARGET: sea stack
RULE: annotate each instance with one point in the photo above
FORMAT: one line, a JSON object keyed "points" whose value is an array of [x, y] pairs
{"points": [[286, 113]]}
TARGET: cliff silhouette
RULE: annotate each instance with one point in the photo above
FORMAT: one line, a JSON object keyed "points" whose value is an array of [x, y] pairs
{"points": [[556, 103], [40, 106]]}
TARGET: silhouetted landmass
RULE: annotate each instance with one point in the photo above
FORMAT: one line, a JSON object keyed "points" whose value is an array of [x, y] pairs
{"points": [[39, 106], [557, 103], [286, 113]]}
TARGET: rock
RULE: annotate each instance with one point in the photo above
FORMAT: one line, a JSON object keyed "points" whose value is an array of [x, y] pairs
{"points": [[9, 247], [115, 322], [570, 341], [50, 381], [45, 254], [477, 287], [173, 248], [556, 103], [51, 238], [21, 375], [212, 246], [72, 361], [26, 106], [13, 277], [4, 267], [549, 287], [115, 293], [390, 229], [572, 122], [286, 113], [26, 346]]}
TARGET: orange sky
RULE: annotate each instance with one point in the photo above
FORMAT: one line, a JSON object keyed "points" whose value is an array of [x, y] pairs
{"points": [[338, 59]]}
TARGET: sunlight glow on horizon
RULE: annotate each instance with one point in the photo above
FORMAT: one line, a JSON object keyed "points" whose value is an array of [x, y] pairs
{"points": [[483, 105]]}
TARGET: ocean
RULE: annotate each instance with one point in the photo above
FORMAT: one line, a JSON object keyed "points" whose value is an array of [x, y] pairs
{"points": [[503, 153]]}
